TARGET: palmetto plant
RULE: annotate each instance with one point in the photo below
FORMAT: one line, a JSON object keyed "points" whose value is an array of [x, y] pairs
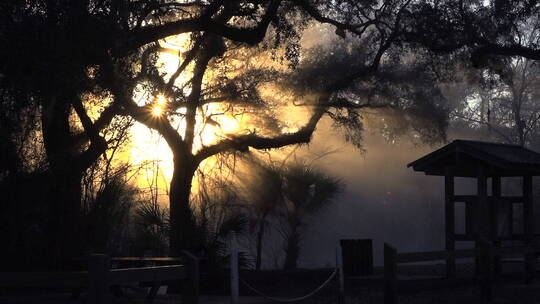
{"points": [[264, 194], [307, 191], [151, 228], [107, 216], [220, 212]]}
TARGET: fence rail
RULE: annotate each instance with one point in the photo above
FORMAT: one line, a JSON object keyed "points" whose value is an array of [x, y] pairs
{"points": [[486, 253], [100, 277], [43, 279], [414, 257]]}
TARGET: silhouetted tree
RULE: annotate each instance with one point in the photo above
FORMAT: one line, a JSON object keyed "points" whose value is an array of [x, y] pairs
{"points": [[214, 79], [261, 187], [307, 191], [57, 53]]}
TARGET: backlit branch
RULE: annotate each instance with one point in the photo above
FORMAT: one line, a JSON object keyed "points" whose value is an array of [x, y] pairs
{"points": [[141, 36], [244, 142], [358, 29], [504, 50]]}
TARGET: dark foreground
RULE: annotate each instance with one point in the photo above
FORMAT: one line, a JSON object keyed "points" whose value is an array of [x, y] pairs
{"points": [[420, 284]]}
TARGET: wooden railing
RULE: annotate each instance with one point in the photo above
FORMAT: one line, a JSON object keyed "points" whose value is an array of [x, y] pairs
{"points": [[100, 277], [485, 253]]}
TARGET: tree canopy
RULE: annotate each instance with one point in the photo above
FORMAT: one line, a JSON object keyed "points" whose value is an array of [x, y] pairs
{"points": [[71, 68]]}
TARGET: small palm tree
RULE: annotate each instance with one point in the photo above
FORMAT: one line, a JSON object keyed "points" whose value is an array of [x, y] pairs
{"points": [[107, 216], [307, 191], [265, 196], [151, 228]]}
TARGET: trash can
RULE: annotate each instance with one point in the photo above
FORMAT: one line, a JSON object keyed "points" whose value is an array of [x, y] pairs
{"points": [[357, 257]]}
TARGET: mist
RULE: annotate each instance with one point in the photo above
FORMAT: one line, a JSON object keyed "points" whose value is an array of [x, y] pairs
{"points": [[384, 200]]}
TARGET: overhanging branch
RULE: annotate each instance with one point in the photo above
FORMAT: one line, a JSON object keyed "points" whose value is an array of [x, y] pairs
{"points": [[141, 36], [244, 142]]}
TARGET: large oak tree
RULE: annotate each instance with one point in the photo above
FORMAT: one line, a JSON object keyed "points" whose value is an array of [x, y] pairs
{"points": [[56, 53]]}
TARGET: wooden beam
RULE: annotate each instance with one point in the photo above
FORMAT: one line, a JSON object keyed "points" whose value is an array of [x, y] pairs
{"points": [[528, 216], [470, 218], [44, 279], [495, 206], [528, 223], [464, 237], [481, 209], [473, 198], [191, 287], [449, 211], [147, 274], [481, 212], [413, 257], [98, 279], [465, 198], [390, 274]]}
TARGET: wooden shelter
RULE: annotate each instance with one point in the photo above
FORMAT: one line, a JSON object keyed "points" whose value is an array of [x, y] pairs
{"points": [[488, 216]]}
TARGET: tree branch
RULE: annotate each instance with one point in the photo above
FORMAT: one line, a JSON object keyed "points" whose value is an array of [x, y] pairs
{"points": [[244, 142], [141, 36]]}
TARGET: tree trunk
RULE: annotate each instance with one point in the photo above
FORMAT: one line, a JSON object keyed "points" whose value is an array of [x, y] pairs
{"points": [[292, 249], [183, 230], [260, 235], [64, 195], [65, 217]]}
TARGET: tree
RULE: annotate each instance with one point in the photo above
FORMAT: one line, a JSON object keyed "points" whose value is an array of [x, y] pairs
{"points": [[503, 104], [262, 189], [307, 191], [214, 82], [477, 29], [59, 52], [46, 63], [500, 94]]}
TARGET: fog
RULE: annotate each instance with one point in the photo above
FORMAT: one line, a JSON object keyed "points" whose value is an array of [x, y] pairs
{"points": [[384, 200]]}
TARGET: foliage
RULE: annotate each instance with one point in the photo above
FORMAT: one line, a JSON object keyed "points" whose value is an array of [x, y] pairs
{"points": [[307, 192], [107, 218], [57, 53], [151, 226], [220, 213]]}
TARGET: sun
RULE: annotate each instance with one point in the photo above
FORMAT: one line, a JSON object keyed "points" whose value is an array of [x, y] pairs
{"points": [[157, 111], [147, 146]]}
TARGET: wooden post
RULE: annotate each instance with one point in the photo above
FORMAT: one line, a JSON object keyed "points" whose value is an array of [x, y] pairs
{"points": [[481, 211], [98, 286], [528, 216], [190, 293], [449, 212], [234, 270], [510, 219], [495, 207], [390, 274], [486, 272], [339, 266], [528, 223]]}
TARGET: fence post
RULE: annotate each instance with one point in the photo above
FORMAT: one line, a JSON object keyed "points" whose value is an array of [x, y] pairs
{"points": [[529, 265], [234, 270], [339, 266], [190, 293], [98, 285], [486, 262], [390, 275]]}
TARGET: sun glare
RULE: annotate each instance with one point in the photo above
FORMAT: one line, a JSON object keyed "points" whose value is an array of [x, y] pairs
{"points": [[157, 110], [148, 146], [161, 100]]}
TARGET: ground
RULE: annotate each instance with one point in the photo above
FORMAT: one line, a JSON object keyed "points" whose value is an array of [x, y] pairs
{"points": [[423, 290]]}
